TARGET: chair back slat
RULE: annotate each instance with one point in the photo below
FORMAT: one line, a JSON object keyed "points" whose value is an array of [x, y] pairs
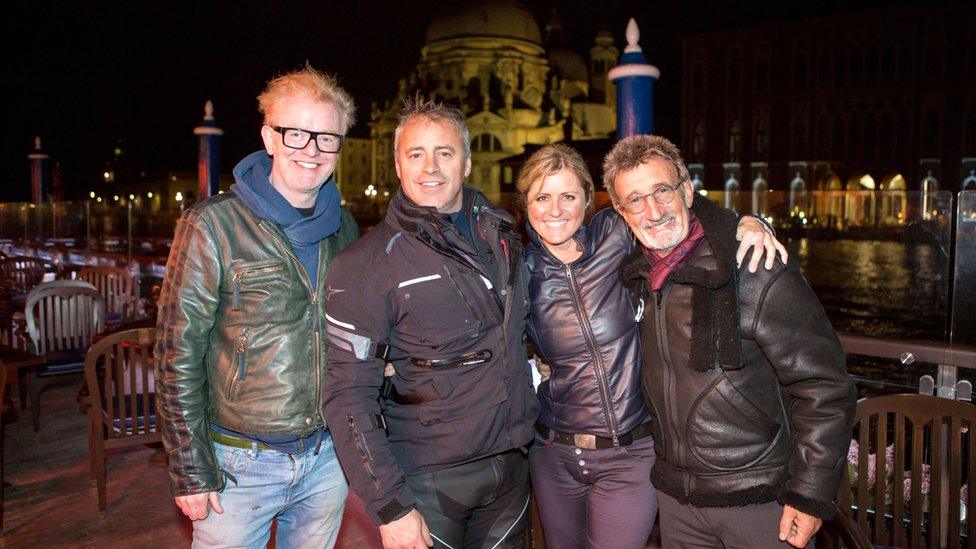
{"points": [[970, 491], [116, 286], [918, 437], [862, 480], [935, 483], [898, 481], [955, 480], [121, 366], [26, 272], [63, 317], [914, 465], [880, 472]]}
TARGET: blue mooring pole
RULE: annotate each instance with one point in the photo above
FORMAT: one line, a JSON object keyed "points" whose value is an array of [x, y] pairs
{"points": [[208, 165], [38, 172], [634, 79]]}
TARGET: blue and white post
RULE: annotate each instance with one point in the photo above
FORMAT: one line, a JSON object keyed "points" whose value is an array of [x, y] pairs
{"points": [[634, 79], [208, 165], [39, 172]]}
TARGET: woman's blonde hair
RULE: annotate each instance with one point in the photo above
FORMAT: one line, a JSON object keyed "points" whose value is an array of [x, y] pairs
{"points": [[547, 161]]}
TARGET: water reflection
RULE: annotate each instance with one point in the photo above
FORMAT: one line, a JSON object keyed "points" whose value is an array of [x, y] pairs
{"points": [[879, 288]]}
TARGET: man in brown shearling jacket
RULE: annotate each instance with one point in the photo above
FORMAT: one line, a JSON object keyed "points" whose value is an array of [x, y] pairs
{"points": [[744, 376]]}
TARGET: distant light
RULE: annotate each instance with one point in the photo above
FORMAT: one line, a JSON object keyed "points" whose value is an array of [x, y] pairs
{"points": [[106, 175], [220, 192], [703, 192], [149, 194], [115, 198], [99, 199], [172, 178], [132, 197], [386, 193], [91, 194], [179, 196], [867, 182]]}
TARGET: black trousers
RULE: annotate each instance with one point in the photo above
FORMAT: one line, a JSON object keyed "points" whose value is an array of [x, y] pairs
{"points": [[482, 504]]}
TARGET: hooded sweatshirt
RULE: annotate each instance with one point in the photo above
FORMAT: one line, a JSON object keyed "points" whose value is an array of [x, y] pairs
{"points": [[304, 233]]}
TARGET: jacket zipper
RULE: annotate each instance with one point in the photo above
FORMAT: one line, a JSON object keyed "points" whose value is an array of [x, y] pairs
{"points": [[669, 404], [242, 355], [316, 321], [363, 449], [601, 374], [239, 277]]}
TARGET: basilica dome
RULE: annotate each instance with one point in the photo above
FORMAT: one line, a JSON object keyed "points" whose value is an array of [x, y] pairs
{"points": [[497, 18]]}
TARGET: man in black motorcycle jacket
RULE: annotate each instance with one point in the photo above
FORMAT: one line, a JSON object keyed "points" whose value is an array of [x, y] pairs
{"points": [[438, 290]]}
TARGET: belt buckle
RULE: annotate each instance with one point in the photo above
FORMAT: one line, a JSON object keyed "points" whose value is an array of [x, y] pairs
{"points": [[585, 441]]}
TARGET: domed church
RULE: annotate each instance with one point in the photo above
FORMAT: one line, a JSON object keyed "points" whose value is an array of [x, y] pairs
{"points": [[513, 87]]}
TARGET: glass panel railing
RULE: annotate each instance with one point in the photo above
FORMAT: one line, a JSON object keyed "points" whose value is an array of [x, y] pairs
{"points": [[878, 261], [963, 325]]}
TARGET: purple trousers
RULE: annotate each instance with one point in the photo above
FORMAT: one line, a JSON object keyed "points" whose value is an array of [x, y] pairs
{"points": [[594, 498]]}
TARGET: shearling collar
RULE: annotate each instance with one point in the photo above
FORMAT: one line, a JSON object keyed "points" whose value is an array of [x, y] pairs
{"points": [[715, 310]]}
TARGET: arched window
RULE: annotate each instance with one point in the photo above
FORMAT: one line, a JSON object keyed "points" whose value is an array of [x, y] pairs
{"points": [[731, 189], [485, 142], [798, 189], [969, 184], [698, 142], [735, 139], [929, 183], [760, 194]]}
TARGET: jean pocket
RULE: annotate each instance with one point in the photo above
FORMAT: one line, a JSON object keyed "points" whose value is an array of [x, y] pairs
{"points": [[235, 461]]}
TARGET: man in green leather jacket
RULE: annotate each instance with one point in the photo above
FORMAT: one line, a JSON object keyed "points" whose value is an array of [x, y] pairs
{"points": [[240, 358]]}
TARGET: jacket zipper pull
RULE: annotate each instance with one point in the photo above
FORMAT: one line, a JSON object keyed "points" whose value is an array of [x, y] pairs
{"points": [[236, 305], [616, 440], [241, 362], [316, 315]]}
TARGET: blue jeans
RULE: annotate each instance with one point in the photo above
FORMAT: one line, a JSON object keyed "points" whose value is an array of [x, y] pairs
{"points": [[305, 492]]}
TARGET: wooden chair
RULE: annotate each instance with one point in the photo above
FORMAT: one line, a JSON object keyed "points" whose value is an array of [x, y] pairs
{"points": [[116, 286], [3, 429], [914, 455], [61, 320], [26, 272], [119, 372]]}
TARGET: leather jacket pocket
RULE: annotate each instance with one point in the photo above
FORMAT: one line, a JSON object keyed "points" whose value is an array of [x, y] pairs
{"points": [[254, 278], [727, 432]]}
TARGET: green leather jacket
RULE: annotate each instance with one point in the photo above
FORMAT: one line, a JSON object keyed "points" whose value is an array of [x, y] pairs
{"points": [[239, 338]]}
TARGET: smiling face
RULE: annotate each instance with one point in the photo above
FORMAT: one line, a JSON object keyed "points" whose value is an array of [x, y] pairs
{"points": [[431, 164], [660, 227], [298, 174], [555, 206]]}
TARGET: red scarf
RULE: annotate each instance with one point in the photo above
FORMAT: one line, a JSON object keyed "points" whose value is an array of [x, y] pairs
{"points": [[663, 266]]}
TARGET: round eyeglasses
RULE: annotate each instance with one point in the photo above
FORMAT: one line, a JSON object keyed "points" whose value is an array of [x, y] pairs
{"points": [[297, 138], [663, 194]]}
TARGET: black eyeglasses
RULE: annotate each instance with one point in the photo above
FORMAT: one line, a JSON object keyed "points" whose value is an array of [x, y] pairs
{"points": [[663, 194], [297, 138]]}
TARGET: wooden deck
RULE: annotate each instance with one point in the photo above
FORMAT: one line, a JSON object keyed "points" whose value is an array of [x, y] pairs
{"points": [[49, 501]]}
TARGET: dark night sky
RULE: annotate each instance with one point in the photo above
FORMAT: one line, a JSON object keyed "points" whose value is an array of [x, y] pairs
{"points": [[86, 74]]}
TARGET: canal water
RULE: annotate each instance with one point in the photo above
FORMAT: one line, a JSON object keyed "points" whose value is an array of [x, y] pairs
{"points": [[885, 289]]}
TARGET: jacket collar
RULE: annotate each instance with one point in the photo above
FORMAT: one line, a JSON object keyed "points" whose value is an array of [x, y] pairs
{"points": [[715, 337]]}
